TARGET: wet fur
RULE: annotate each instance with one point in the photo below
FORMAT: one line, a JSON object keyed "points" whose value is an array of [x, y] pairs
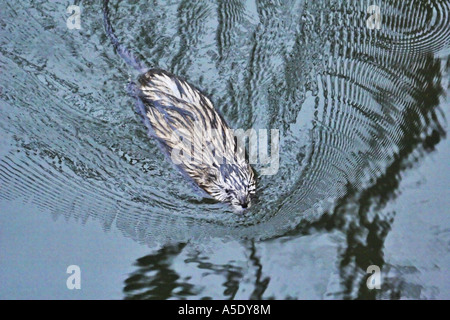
{"points": [[175, 108]]}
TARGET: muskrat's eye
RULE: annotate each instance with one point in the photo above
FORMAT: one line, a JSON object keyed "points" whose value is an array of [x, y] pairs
{"points": [[227, 190]]}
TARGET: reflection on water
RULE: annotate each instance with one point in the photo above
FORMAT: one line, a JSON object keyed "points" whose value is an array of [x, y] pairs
{"points": [[156, 276], [155, 279], [356, 108]]}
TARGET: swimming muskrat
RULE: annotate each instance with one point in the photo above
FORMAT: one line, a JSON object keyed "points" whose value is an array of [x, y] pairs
{"points": [[190, 130]]}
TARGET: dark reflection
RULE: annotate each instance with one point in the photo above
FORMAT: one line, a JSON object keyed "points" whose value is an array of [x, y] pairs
{"points": [[261, 282], [357, 214], [156, 276]]}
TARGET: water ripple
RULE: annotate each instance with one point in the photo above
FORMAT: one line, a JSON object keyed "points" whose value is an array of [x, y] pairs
{"points": [[346, 99]]}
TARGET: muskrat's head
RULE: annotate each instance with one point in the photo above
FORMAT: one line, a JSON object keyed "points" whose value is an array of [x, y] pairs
{"points": [[231, 183]]}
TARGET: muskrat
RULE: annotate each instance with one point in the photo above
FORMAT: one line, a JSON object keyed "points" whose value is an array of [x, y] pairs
{"points": [[190, 130]]}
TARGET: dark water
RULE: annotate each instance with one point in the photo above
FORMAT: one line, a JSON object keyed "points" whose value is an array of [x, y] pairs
{"points": [[363, 177]]}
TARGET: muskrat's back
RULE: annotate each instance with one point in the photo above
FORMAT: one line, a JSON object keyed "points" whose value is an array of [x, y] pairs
{"points": [[196, 137]]}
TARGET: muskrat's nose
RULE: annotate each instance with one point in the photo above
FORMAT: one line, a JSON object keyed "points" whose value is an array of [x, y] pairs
{"points": [[244, 205]]}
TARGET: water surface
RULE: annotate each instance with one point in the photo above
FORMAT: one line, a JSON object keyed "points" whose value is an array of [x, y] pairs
{"points": [[363, 177]]}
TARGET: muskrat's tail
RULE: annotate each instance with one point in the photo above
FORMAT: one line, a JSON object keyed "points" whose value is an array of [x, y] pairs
{"points": [[126, 54]]}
